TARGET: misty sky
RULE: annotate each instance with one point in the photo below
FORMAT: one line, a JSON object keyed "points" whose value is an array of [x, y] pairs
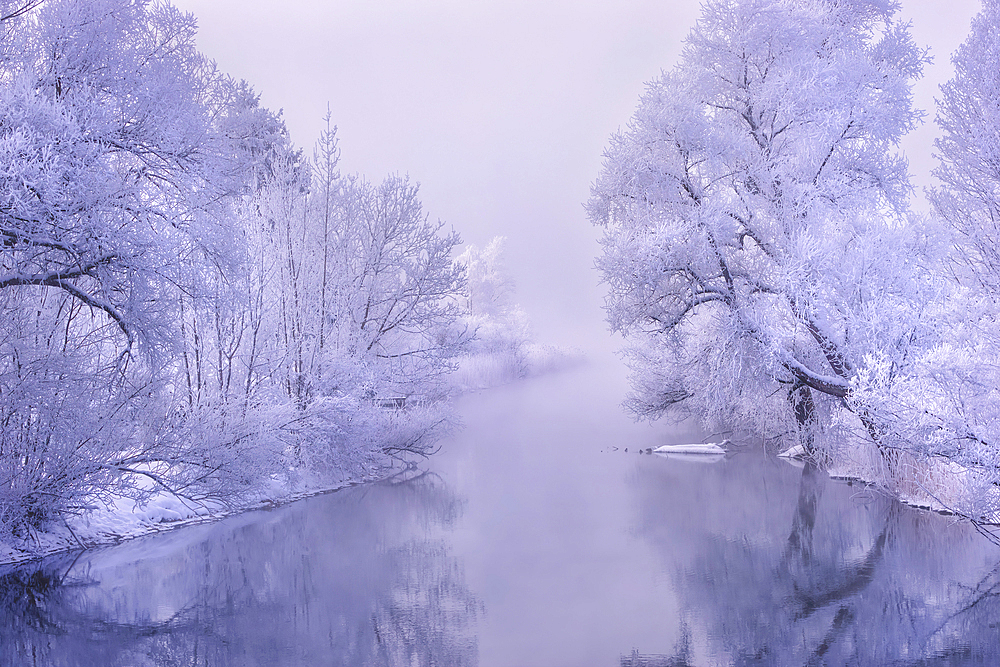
{"points": [[499, 108]]}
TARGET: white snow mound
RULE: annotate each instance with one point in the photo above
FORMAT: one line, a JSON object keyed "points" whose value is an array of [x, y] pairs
{"points": [[794, 452], [694, 448]]}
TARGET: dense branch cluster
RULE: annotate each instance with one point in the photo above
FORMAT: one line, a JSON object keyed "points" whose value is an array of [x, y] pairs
{"points": [[188, 304], [759, 249]]}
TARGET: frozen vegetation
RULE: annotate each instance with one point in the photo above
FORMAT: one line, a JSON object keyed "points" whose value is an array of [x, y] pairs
{"points": [[763, 261], [199, 317], [503, 348]]}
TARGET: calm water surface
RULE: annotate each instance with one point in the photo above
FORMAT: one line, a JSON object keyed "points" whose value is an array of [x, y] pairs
{"points": [[534, 538]]}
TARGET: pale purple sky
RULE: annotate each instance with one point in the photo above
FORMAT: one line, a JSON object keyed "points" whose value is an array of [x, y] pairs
{"points": [[499, 108]]}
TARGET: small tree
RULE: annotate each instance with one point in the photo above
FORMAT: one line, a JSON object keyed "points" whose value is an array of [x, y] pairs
{"points": [[754, 214], [394, 305]]}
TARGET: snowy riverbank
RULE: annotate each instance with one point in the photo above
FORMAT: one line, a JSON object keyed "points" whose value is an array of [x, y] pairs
{"points": [[123, 519], [940, 486]]}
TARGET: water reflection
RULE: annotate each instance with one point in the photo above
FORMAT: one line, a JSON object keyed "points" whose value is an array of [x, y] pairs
{"points": [[785, 566], [582, 554], [353, 578]]}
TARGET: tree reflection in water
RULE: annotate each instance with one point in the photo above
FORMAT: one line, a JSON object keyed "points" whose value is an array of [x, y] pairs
{"points": [[856, 579], [338, 579]]}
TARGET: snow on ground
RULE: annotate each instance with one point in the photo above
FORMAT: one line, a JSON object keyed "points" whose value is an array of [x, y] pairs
{"points": [[937, 485], [125, 519], [793, 452]]}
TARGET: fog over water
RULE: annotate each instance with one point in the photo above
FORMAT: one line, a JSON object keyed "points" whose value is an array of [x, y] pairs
{"points": [[500, 109]]}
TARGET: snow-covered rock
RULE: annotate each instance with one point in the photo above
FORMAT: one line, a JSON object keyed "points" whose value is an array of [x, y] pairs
{"points": [[693, 458]]}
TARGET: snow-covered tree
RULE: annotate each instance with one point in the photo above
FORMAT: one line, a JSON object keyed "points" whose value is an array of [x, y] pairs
{"points": [[365, 289], [124, 152], [111, 158], [491, 289], [491, 309], [945, 406], [185, 300], [969, 149], [754, 213], [499, 352], [394, 301]]}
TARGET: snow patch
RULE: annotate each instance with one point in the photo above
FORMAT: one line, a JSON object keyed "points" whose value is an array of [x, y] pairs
{"points": [[797, 452], [694, 448]]}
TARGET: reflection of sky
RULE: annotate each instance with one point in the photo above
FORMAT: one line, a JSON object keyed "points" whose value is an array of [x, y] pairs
{"points": [[500, 108], [546, 537]]}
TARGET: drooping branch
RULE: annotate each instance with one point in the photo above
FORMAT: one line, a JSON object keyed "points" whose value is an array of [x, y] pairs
{"points": [[61, 281]]}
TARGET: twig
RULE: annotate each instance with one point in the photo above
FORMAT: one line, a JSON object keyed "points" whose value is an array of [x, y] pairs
{"points": [[66, 523]]}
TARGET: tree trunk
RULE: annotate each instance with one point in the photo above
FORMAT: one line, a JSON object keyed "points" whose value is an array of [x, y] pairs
{"points": [[804, 408]]}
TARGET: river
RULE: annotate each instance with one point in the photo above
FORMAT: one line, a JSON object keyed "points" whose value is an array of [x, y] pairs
{"points": [[539, 535]]}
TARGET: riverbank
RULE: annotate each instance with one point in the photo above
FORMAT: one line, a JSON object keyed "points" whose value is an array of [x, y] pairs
{"points": [[123, 520], [935, 485]]}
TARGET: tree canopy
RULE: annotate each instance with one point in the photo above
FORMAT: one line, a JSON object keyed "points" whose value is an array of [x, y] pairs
{"points": [[752, 207], [191, 306]]}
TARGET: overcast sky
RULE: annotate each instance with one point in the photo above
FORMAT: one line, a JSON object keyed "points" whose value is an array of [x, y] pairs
{"points": [[499, 108]]}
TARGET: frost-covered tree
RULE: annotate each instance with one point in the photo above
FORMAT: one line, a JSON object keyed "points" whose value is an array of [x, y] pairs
{"points": [[394, 298], [184, 299], [945, 407], [499, 352], [365, 283], [969, 149], [491, 309], [755, 244], [491, 289], [111, 157], [123, 154]]}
